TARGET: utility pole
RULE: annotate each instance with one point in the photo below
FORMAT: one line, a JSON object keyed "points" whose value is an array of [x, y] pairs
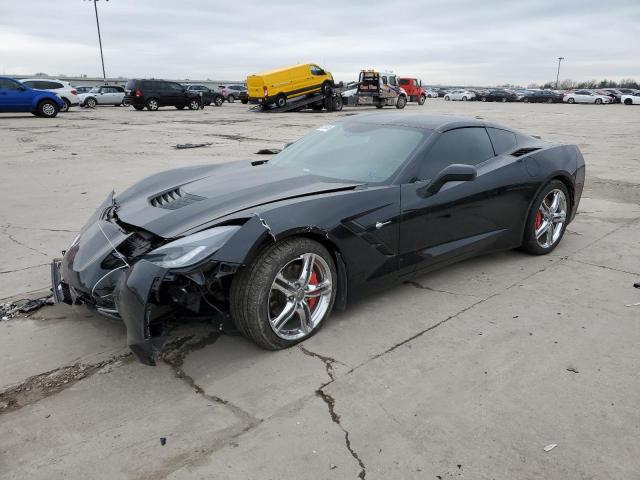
{"points": [[558, 75], [95, 7]]}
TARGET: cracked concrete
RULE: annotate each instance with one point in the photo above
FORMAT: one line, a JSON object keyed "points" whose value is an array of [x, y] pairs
{"points": [[460, 373]]}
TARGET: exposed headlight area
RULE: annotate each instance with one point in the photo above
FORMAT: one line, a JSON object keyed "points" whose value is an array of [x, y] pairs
{"points": [[191, 250]]}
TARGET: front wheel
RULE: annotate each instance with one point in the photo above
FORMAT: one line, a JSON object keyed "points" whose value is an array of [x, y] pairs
{"points": [[598, 101], [547, 219], [464, 99], [401, 102], [231, 99], [421, 99], [571, 100], [281, 100], [447, 98], [47, 109], [66, 105], [194, 104], [91, 102], [218, 101], [283, 297], [628, 101]]}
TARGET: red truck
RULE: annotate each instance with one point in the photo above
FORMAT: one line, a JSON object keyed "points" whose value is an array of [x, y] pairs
{"points": [[413, 87]]}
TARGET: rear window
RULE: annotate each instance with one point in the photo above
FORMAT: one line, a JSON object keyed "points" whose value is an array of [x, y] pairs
{"points": [[404, 81], [131, 84]]}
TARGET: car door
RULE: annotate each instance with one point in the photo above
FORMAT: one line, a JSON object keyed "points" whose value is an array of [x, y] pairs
{"points": [[14, 97], [463, 218]]}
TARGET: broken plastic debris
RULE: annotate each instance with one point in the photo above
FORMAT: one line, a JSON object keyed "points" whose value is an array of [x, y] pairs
{"points": [[637, 284], [26, 305], [550, 447], [163, 441], [268, 151], [182, 146]]}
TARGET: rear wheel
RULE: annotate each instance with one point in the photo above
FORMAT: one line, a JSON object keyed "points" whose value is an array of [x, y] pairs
{"points": [[447, 98], [549, 100], [571, 100], [464, 99], [503, 100], [483, 99], [231, 99], [281, 100], [525, 100], [152, 104], [628, 101], [401, 102], [284, 296], [337, 103], [47, 109], [326, 88], [66, 106], [219, 101], [547, 219]]}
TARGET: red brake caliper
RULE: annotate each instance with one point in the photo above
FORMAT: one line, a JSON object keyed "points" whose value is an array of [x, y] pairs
{"points": [[538, 219], [313, 281]]}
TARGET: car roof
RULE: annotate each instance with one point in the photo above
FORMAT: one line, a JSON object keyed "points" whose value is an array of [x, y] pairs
{"points": [[438, 123]]}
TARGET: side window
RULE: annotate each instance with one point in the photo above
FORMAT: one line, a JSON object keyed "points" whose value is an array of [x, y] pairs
{"points": [[176, 87], [404, 81], [6, 84], [118, 89], [384, 80], [146, 85], [31, 84], [502, 140], [316, 70], [469, 146]]}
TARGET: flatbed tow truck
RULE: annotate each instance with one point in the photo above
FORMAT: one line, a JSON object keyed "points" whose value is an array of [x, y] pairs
{"points": [[373, 88]]}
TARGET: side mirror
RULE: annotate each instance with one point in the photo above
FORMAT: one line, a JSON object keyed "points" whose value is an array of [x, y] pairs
{"points": [[21, 88], [456, 172]]}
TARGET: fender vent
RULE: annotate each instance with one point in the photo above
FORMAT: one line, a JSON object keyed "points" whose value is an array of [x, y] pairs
{"points": [[523, 151], [174, 199]]}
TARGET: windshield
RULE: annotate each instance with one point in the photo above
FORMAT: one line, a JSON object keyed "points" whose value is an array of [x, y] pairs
{"points": [[356, 152]]}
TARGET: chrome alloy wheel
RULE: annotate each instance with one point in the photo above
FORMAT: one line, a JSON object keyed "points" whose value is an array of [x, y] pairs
{"points": [[300, 296], [48, 109], [550, 218]]}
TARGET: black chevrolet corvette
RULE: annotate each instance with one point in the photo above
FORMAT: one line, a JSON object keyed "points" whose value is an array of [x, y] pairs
{"points": [[274, 246]]}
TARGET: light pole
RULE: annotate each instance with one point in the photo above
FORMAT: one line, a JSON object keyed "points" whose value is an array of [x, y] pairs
{"points": [[558, 75], [95, 7]]}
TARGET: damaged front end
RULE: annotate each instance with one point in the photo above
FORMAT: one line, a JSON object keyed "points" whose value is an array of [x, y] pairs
{"points": [[126, 272]]}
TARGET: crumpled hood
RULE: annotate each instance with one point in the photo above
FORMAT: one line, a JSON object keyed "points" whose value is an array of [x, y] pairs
{"points": [[170, 203]]}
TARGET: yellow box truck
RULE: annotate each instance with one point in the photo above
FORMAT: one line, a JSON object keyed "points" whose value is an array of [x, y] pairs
{"points": [[277, 86]]}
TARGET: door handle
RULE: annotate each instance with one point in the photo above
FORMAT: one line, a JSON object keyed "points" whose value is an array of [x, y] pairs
{"points": [[379, 225]]}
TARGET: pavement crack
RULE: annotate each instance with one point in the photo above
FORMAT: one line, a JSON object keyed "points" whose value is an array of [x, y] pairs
{"points": [[605, 267], [328, 362], [39, 229], [2, 272], [43, 385], [331, 405], [174, 353], [424, 287], [18, 242]]}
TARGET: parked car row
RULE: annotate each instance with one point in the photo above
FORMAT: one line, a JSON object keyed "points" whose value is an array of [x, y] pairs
{"points": [[598, 97]]}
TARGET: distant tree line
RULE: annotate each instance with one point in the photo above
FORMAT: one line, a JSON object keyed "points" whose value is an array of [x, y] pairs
{"points": [[569, 84]]}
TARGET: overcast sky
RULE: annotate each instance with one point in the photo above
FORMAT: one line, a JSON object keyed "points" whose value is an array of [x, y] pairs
{"points": [[443, 42]]}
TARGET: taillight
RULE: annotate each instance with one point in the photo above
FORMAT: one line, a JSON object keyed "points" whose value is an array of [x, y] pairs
{"points": [[266, 91], [74, 92], [138, 93]]}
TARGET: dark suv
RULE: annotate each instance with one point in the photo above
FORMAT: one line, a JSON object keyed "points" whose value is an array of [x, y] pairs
{"points": [[208, 96], [159, 93]]}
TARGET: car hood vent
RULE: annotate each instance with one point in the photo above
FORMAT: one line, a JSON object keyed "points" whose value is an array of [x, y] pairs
{"points": [[174, 199], [523, 151]]}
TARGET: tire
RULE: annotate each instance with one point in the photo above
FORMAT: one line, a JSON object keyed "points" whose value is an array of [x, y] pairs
{"points": [[152, 104], [447, 98], [255, 299], [549, 100], [138, 107], [281, 100], [503, 100], [91, 102], [244, 102], [338, 103], [421, 99], [194, 104], [231, 99], [66, 106], [326, 88], [598, 101], [628, 101], [571, 100], [483, 99], [536, 220], [219, 100], [379, 106], [180, 107], [464, 99], [401, 102], [525, 100], [47, 109]]}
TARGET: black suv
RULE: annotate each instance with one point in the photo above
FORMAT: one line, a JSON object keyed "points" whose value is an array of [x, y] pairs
{"points": [[208, 96], [160, 93]]}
